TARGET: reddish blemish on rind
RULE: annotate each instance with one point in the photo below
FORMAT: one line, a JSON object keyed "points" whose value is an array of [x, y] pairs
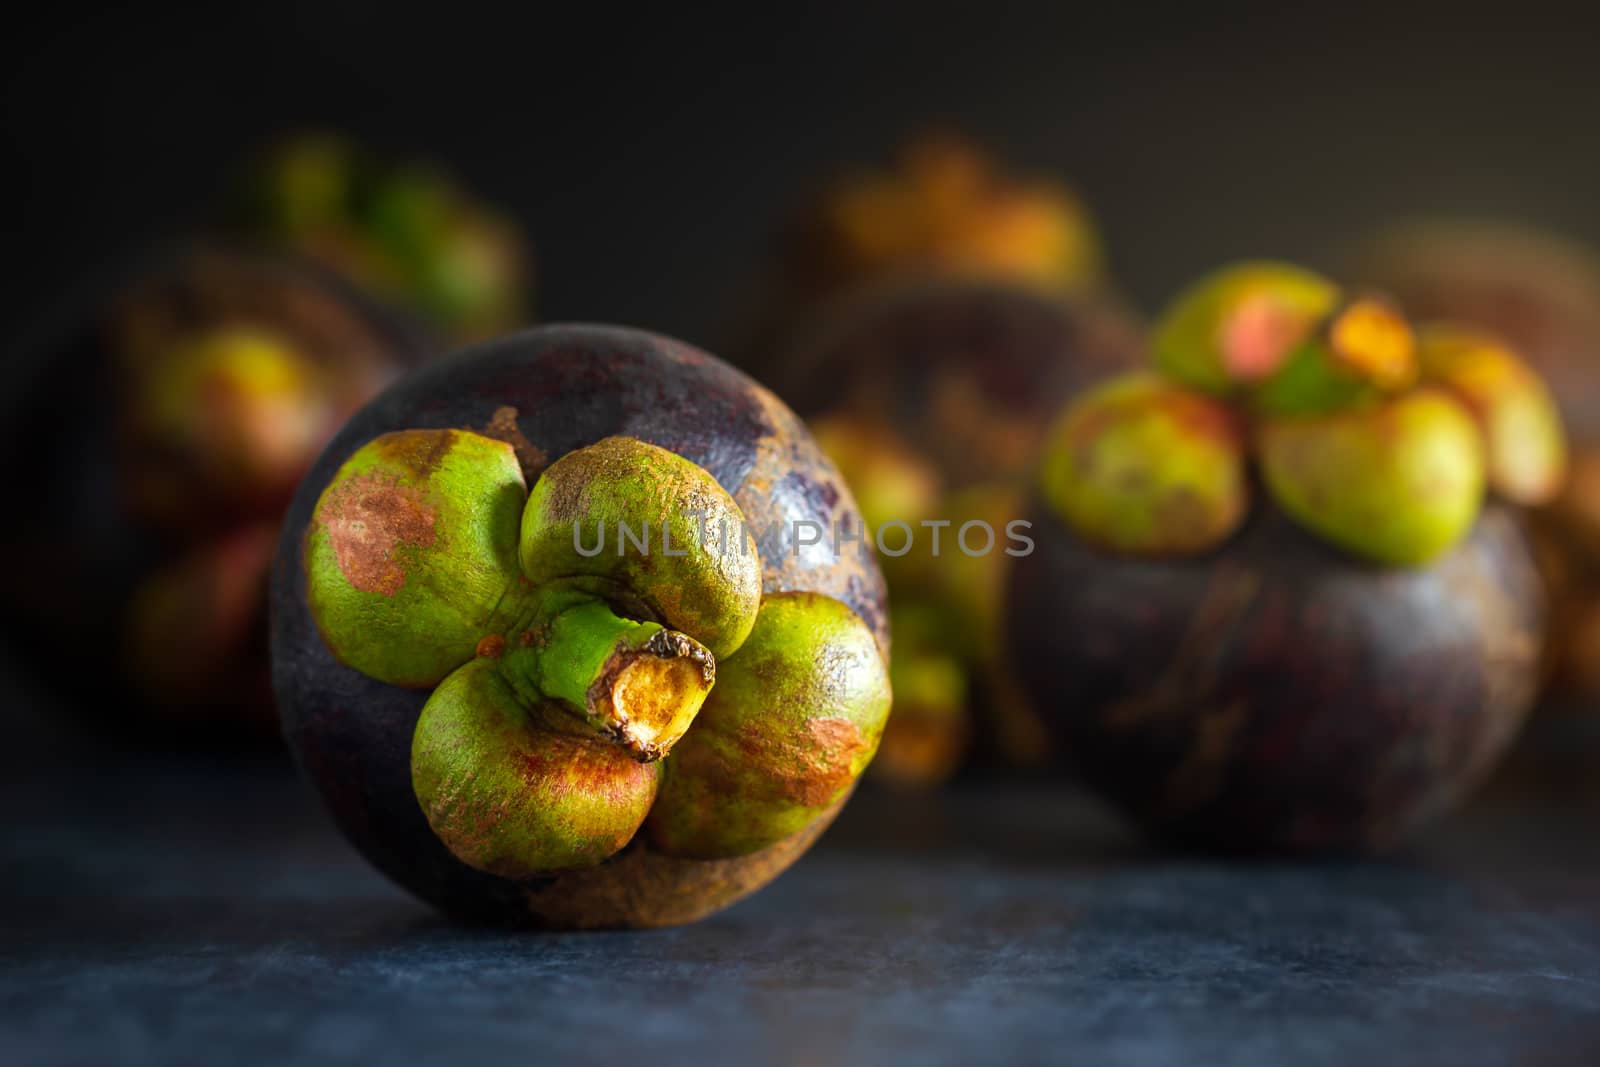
{"points": [[1258, 336], [367, 518], [491, 646], [814, 765]]}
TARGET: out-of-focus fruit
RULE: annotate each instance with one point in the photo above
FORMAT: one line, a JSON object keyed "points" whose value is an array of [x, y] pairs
{"points": [[1239, 325], [404, 232], [1525, 440], [933, 396], [1143, 466], [1287, 338], [966, 374], [1539, 294], [929, 735], [194, 401], [1276, 694], [1399, 483], [945, 208], [1262, 690]]}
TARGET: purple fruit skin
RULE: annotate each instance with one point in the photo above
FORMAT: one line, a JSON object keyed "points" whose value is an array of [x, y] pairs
{"points": [[1278, 694]]}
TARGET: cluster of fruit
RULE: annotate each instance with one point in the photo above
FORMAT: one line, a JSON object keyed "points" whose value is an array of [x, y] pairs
{"points": [[1277, 589]]}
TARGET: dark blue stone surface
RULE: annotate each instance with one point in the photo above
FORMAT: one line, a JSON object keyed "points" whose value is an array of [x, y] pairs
{"points": [[177, 913]]}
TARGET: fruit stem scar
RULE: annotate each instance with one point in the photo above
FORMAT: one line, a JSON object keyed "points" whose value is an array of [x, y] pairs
{"points": [[637, 683]]}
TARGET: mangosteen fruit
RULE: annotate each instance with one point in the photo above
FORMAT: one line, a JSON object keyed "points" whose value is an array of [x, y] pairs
{"points": [[562, 636], [406, 232], [1539, 294], [163, 442], [944, 207], [1280, 596], [933, 395]]}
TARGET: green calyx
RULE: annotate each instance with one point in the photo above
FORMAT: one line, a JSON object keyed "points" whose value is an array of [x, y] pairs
{"points": [[570, 635], [1284, 340], [1400, 483], [1240, 324], [1143, 466], [684, 545], [782, 738], [1379, 440], [512, 790], [1523, 435]]}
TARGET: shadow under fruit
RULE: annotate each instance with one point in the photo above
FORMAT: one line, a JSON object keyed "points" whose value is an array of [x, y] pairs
{"points": [[521, 721]]}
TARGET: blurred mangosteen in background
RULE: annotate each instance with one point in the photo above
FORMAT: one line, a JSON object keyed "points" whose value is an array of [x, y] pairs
{"points": [[404, 232], [932, 395], [944, 208], [164, 439], [1539, 293], [927, 319], [1281, 597], [162, 446]]}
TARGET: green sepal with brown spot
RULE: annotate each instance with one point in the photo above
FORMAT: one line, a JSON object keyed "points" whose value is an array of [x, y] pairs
{"points": [[698, 569], [517, 791], [794, 719], [1143, 466], [1399, 483], [411, 553]]}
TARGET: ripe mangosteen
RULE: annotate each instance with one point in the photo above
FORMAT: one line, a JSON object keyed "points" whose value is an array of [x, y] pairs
{"points": [[550, 643], [933, 396], [1268, 607], [1539, 293], [159, 450]]}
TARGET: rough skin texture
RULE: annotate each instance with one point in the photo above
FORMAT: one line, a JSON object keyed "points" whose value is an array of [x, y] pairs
{"points": [[548, 392], [1278, 693]]}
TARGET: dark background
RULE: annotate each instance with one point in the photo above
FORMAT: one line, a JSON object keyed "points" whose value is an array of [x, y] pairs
{"points": [[650, 150]]}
